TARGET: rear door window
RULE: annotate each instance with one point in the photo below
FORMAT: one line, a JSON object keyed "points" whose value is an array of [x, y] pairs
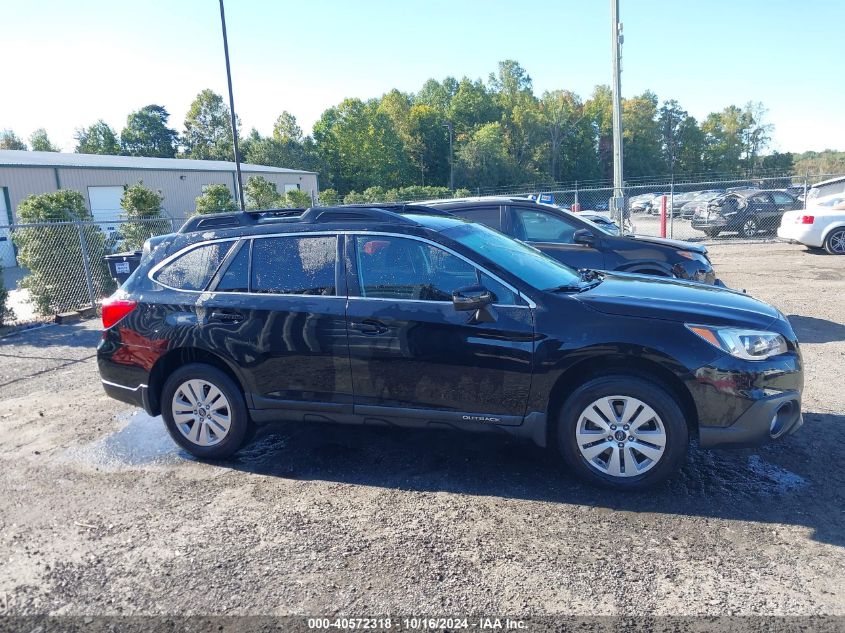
{"points": [[195, 268], [782, 198], [294, 265], [488, 216]]}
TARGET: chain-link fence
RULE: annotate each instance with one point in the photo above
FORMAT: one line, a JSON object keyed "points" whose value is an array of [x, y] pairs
{"points": [[719, 209], [55, 267]]}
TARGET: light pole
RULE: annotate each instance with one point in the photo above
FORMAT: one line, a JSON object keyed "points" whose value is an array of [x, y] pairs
{"points": [[616, 43], [232, 110], [448, 126]]}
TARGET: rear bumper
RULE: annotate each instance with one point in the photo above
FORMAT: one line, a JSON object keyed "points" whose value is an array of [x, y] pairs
{"points": [[765, 420], [135, 395], [802, 233]]}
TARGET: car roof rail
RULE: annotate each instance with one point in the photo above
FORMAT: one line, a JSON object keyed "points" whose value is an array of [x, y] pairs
{"points": [[388, 213], [392, 213], [239, 218]]}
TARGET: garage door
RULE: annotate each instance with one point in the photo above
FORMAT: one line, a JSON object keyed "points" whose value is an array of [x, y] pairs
{"points": [[7, 250], [105, 206]]}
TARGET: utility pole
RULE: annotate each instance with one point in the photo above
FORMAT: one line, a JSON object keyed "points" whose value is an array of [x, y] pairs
{"points": [[617, 203], [448, 125], [232, 110]]}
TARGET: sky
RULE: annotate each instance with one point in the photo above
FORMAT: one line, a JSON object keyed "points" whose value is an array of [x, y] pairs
{"points": [[67, 64]]}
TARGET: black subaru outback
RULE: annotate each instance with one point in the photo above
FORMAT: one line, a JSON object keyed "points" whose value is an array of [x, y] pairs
{"points": [[410, 317]]}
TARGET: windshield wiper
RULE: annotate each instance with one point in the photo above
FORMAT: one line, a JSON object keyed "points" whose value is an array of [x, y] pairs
{"points": [[566, 288], [589, 279]]}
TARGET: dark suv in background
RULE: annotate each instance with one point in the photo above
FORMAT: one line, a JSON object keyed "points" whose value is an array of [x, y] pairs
{"points": [[579, 243], [384, 317], [747, 212]]}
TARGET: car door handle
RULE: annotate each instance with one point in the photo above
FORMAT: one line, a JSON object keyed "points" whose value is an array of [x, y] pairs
{"points": [[370, 326], [226, 317]]}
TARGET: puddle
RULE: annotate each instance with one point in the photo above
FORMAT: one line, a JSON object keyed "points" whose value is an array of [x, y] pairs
{"points": [[781, 480], [143, 441]]}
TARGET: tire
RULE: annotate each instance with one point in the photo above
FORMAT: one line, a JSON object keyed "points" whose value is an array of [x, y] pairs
{"points": [[834, 243], [204, 434], [665, 423], [749, 227], [711, 233]]}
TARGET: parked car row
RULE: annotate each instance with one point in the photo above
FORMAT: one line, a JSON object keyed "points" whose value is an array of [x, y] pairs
{"points": [[425, 316]]}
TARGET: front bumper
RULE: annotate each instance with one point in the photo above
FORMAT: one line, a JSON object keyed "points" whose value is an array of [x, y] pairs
{"points": [[747, 403], [768, 419]]}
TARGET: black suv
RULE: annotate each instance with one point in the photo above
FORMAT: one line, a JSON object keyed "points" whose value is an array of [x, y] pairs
{"points": [[747, 212], [579, 243], [409, 317]]}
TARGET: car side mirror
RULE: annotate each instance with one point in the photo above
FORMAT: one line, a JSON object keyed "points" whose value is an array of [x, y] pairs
{"points": [[472, 298], [585, 237]]}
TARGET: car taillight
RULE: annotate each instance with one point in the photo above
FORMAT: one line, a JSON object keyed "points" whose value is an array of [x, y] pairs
{"points": [[115, 309], [805, 219]]}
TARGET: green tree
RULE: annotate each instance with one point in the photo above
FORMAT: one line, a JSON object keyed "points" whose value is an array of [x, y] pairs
{"points": [[146, 134], [360, 146], [99, 138], [472, 105], [428, 144], [260, 193], [6, 313], [215, 199], [826, 162], [286, 128], [690, 147], [437, 94], [208, 128], [142, 208], [279, 152], [40, 142], [483, 160], [53, 254], [10, 140], [641, 136], [599, 108]]}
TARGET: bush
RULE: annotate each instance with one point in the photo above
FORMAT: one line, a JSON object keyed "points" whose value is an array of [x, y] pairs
{"points": [[6, 313], [54, 256], [260, 193], [296, 198], [215, 199], [143, 207], [462, 193], [330, 198]]}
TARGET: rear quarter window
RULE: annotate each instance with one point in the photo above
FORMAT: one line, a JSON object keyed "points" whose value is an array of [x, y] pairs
{"points": [[194, 269]]}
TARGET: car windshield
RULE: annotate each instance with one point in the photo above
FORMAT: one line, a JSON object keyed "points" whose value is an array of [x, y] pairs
{"points": [[526, 262]]}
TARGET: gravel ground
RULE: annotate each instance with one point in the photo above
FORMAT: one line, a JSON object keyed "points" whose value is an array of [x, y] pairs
{"points": [[101, 514]]}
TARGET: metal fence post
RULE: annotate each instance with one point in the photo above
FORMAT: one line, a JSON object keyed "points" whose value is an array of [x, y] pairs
{"points": [[89, 281], [806, 178], [672, 207]]}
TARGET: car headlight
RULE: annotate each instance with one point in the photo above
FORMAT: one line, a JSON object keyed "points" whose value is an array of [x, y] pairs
{"points": [[740, 342]]}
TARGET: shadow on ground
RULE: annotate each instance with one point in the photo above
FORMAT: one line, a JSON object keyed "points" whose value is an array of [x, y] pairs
{"points": [[796, 481], [84, 333], [813, 330]]}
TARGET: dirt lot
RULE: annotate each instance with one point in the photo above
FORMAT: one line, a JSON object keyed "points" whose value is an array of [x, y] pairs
{"points": [[100, 513]]}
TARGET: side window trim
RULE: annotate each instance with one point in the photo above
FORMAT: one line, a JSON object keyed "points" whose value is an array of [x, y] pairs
{"points": [[478, 270]]}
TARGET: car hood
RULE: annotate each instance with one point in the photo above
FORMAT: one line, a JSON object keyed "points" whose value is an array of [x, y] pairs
{"points": [[677, 244], [674, 300]]}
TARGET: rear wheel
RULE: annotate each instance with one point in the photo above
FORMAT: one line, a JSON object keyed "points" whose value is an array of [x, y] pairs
{"points": [[835, 242], [204, 411], [749, 227], [622, 432]]}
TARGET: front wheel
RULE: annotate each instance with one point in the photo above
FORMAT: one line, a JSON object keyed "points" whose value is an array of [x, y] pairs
{"points": [[204, 411], [835, 242], [622, 432]]}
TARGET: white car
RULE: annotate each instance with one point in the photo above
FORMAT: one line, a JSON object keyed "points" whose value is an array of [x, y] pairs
{"points": [[821, 225]]}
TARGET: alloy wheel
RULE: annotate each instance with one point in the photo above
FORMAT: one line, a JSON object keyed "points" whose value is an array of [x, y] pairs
{"points": [[749, 228], [837, 242], [620, 436], [201, 412]]}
